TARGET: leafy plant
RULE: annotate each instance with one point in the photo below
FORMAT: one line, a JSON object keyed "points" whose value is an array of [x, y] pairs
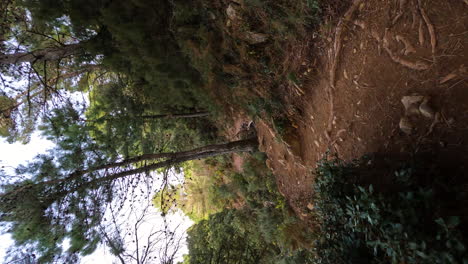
{"points": [[361, 225]]}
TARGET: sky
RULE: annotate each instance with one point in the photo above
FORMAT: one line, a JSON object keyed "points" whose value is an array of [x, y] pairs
{"points": [[12, 155]]}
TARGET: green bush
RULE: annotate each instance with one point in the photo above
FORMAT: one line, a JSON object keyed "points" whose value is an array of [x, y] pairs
{"points": [[361, 225], [263, 223]]}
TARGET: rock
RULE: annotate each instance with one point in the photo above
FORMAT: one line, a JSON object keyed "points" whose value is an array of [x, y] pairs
{"points": [[239, 2], [254, 38], [231, 13], [211, 15], [405, 125], [411, 103], [451, 121], [425, 109]]}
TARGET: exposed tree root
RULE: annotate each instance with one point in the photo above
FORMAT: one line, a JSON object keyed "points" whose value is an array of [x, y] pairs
{"points": [[359, 23], [402, 4], [337, 51], [418, 65], [430, 28], [449, 77], [337, 44], [397, 17], [421, 33], [415, 18], [408, 46]]}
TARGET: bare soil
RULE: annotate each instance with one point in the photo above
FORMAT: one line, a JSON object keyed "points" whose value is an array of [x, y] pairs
{"points": [[349, 100]]}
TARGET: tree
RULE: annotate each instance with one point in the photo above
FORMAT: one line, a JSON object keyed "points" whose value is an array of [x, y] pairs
{"points": [[222, 239], [36, 66], [47, 54], [67, 191], [130, 44], [138, 72], [136, 238]]}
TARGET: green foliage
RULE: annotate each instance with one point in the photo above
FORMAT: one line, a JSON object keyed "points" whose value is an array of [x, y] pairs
{"points": [[125, 123], [59, 199], [220, 239], [5, 121], [156, 57], [198, 197], [361, 225], [134, 40], [262, 221]]}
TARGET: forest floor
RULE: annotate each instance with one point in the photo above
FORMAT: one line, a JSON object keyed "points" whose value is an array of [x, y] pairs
{"points": [[355, 73]]}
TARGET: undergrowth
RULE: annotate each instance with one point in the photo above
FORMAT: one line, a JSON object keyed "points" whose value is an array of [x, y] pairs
{"points": [[359, 224], [258, 226], [238, 73]]}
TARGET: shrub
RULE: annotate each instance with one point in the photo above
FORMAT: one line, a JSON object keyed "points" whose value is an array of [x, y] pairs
{"points": [[361, 225]]}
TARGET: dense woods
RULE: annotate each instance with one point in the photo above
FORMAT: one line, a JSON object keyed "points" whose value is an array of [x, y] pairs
{"points": [[133, 92], [118, 87]]}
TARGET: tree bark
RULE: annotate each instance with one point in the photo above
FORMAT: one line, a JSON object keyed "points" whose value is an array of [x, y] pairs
{"points": [[47, 54], [70, 73], [199, 153], [173, 116], [172, 159], [161, 116]]}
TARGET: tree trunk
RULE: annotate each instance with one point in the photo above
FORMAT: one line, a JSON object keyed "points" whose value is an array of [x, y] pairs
{"points": [[171, 159], [173, 116], [176, 158], [149, 117], [71, 73], [47, 54], [20, 101]]}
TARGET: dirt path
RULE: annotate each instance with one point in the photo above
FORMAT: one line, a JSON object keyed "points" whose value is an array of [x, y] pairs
{"points": [[378, 53]]}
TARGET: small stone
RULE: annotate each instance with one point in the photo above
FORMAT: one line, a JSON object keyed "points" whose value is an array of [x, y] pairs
{"points": [[426, 110], [411, 103], [316, 143], [405, 125], [211, 15], [231, 12], [255, 38]]}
